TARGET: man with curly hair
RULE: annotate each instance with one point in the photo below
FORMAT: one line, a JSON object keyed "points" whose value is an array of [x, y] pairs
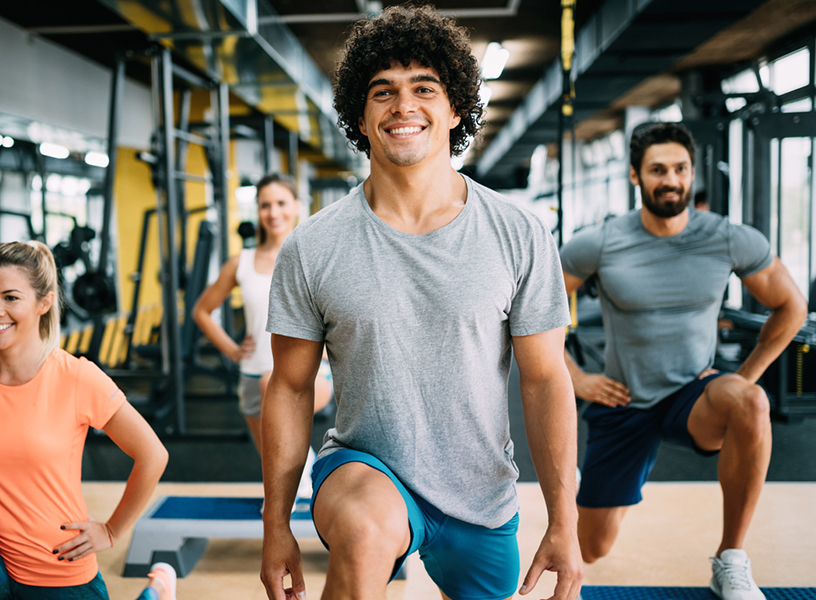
{"points": [[419, 283]]}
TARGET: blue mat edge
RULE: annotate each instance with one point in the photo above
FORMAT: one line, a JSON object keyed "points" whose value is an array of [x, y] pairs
{"points": [[167, 509], [603, 592]]}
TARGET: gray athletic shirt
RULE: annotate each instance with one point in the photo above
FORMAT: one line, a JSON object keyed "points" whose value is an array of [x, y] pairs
{"points": [[417, 329], [660, 296]]}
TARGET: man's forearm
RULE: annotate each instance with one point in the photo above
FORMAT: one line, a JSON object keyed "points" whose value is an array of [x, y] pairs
{"points": [[286, 427], [777, 332], [551, 424]]}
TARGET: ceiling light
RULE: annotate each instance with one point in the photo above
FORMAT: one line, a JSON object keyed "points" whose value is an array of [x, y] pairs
{"points": [[97, 159], [54, 150], [495, 57], [8, 141]]}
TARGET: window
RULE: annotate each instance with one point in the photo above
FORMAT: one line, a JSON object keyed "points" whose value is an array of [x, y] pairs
{"points": [[790, 72]]}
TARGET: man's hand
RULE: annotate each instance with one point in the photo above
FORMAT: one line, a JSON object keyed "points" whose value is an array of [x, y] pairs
{"points": [[281, 557], [707, 372], [559, 552], [92, 537], [601, 389]]}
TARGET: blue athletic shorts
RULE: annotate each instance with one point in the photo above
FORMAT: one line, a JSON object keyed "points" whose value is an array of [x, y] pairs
{"points": [[466, 561], [11, 590], [623, 441]]}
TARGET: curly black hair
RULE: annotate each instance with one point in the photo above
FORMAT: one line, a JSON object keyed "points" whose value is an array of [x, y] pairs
{"points": [[399, 35]]}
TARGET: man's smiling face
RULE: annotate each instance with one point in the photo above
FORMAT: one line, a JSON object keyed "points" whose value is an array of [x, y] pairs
{"points": [[665, 178], [408, 116]]}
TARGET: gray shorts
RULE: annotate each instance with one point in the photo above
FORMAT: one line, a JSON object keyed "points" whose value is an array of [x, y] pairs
{"points": [[249, 395]]}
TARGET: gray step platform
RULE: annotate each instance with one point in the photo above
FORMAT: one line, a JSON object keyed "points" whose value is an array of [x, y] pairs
{"points": [[176, 529]]}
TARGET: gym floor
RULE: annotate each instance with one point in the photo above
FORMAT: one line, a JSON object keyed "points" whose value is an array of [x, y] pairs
{"points": [[665, 541]]}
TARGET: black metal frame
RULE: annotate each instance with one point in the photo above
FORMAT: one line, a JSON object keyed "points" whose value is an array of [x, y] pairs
{"points": [[167, 160]]}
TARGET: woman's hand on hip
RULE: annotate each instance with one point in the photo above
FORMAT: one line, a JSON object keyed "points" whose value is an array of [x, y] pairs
{"points": [[93, 536]]}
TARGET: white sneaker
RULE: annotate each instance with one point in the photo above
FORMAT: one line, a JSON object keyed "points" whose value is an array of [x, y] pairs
{"points": [[167, 575], [305, 486], [731, 579]]}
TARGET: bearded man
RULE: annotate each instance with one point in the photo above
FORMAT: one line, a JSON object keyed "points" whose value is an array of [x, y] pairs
{"points": [[662, 271]]}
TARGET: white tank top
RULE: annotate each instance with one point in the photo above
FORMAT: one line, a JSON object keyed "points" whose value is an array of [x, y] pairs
{"points": [[255, 292]]}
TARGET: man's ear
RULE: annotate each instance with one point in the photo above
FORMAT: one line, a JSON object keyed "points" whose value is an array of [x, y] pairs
{"points": [[455, 118], [633, 176], [361, 125]]}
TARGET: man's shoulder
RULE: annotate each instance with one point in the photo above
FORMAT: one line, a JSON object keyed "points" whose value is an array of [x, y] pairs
{"points": [[709, 220], [613, 227], [498, 205], [332, 219], [714, 226]]}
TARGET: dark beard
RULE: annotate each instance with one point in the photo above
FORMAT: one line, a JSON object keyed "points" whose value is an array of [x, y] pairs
{"points": [[665, 210]]}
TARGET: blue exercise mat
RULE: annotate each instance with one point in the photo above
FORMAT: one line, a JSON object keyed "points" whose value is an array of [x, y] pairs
{"points": [[220, 509], [614, 592]]}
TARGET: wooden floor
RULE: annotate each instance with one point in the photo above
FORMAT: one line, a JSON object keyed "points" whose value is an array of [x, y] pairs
{"points": [[664, 541]]}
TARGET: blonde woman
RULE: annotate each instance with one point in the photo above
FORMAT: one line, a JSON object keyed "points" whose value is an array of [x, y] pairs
{"points": [[48, 400]]}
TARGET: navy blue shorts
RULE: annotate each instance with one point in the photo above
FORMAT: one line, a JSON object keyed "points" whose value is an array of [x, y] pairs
{"points": [[623, 441], [466, 561]]}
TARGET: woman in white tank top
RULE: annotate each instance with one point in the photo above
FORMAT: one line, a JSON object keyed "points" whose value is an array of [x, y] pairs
{"points": [[278, 209]]}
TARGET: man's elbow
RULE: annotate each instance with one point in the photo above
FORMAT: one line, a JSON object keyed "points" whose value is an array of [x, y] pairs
{"points": [[798, 309]]}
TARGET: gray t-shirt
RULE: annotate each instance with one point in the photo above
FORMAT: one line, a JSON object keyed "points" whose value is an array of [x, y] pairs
{"points": [[417, 329], [660, 296]]}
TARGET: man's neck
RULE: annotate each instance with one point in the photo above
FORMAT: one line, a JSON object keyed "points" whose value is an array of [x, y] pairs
{"points": [[416, 200], [663, 226]]}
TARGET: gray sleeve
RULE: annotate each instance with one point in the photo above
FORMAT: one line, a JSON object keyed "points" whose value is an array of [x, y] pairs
{"points": [[749, 250], [292, 311], [581, 255], [540, 302]]}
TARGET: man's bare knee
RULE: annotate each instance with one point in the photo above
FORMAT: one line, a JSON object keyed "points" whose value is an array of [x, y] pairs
{"points": [[597, 530], [353, 529], [594, 548], [752, 413], [359, 512]]}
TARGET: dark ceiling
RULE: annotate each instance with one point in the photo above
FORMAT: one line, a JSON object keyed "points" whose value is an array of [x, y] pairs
{"points": [[532, 35]]}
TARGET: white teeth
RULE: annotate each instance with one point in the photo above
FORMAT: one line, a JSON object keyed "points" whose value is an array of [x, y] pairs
{"points": [[5, 326], [405, 130]]}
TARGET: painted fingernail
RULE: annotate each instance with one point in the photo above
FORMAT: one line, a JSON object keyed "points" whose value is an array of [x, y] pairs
{"points": [[70, 560], [62, 526], [523, 588], [60, 558], [54, 552], [301, 595]]}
